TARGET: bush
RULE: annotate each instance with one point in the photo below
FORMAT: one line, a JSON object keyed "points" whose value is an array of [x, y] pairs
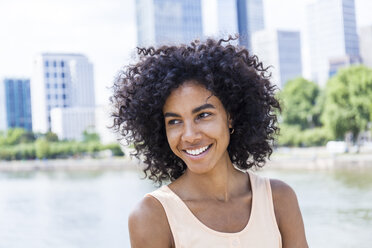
{"points": [[115, 149], [294, 136], [315, 137], [42, 148]]}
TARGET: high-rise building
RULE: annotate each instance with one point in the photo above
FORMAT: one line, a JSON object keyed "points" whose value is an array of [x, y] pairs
{"points": [[60, 81], [15, 104], [243, 17], [250, 20], [168, 21], [331, 34], [227, 17], [365, 42], [282, 51]]}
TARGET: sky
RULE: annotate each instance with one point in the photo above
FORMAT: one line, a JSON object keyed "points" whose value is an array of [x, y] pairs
{"points": [[105, 31]]}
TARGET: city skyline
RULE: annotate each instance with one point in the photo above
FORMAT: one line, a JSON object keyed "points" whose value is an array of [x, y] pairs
{"points": [[105, 32]]}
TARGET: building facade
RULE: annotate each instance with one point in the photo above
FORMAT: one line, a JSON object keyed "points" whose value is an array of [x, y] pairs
{"points": [[243, 17], [250, 20], [15, 104], [331, 33], [365, 42], [70, 123], [282, 51], [227, 18], [168, 21], [60, 81]]}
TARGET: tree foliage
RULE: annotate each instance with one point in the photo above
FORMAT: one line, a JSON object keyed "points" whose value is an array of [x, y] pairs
{"points": [[300, 108], [42, 148], [90, 136], [51, 137], [348, 104], [19, 144]]}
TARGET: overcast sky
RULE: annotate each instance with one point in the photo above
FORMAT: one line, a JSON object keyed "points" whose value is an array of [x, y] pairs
{"points": [[103, 30]]}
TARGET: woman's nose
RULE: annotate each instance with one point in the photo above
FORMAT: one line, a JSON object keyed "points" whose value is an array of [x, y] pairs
{"points": [[191, 133]]}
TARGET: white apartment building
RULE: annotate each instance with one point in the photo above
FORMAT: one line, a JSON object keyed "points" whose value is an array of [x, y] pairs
{"points": [[365, 43], [103, 122], [60, 81], [331, 34], [70, 123], [282, 51]]}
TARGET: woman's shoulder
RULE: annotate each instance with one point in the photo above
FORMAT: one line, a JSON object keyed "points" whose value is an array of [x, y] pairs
{"points": [[288, 214], [281, 190], [148, 224], [284, 198]]}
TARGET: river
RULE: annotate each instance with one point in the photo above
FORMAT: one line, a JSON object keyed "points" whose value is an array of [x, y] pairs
{"points": [[90, 209]]}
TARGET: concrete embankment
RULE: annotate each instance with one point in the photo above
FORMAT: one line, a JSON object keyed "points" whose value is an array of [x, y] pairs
{"points": [[87, 164], [294, 158], [318, 158]]}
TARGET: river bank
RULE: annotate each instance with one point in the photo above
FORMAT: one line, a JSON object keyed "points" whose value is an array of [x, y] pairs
{"points": [[283, 158]]}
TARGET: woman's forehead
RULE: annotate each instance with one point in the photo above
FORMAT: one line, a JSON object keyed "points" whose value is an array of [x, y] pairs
{"points": [[190, 95]]}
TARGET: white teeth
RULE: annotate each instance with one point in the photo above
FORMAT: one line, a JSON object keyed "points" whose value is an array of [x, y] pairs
{"points": [[197, 151]]}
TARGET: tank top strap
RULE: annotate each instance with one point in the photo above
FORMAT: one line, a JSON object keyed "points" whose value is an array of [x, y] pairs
{"points": [[263, 199], [179, 217]]}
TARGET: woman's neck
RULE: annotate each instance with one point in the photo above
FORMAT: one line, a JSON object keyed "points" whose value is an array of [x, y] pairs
{"points": [[222, 183]]}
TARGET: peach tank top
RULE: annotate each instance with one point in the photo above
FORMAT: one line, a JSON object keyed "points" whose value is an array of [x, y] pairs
{"points": [[261, 230]]}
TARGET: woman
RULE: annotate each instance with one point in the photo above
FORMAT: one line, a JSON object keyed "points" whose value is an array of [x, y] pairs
{"points": [[201, 116]]}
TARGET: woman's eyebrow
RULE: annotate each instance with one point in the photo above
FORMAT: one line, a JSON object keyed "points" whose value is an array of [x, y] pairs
{"points": [[202, 107], [195, 110], [170, 114]]}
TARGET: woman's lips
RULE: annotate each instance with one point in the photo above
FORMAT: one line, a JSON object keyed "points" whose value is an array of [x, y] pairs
{"points": [[197, 153]]}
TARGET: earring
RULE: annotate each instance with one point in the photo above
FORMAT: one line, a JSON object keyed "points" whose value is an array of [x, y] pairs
{"points": [[232, 130]]}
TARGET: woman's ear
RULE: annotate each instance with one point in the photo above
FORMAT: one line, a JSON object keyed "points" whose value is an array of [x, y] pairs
{"points": [[229, 120]]}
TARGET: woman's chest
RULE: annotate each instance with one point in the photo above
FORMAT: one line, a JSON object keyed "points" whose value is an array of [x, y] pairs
{"points": [[229, 217]]}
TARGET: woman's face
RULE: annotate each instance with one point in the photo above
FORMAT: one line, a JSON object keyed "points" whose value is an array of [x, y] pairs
{"points": [[197, 127]]}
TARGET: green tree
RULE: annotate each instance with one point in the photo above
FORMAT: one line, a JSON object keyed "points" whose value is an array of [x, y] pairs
{"points": [[90, 136], [300, 99], [348, 101], [42, 148], [14, 136], [51, 137], [115, 149]]}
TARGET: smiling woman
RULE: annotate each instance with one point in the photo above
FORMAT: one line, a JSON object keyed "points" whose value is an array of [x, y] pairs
{"points": [[201, 116]]}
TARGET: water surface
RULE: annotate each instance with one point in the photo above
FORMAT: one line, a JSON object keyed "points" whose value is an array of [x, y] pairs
{"points": [[75, 209]]}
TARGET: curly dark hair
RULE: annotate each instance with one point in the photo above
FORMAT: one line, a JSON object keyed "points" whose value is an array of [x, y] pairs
{"points": [[238, 79]]}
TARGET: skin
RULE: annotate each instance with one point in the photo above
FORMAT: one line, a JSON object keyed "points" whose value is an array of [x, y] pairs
{"points": [[211, 186]]}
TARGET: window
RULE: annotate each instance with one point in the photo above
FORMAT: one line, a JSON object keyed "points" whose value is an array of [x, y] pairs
{"points": [[54, 63], [55, 74], [46, 63], [47, 75], [64, 96], [55, 86], [62, 74], [48, 97], [56, 96], [63, 85], [62, 64], [47, 85]]}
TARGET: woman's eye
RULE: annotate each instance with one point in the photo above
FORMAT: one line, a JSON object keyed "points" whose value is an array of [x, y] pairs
{"points": [[204, 115], [173, 122]]}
